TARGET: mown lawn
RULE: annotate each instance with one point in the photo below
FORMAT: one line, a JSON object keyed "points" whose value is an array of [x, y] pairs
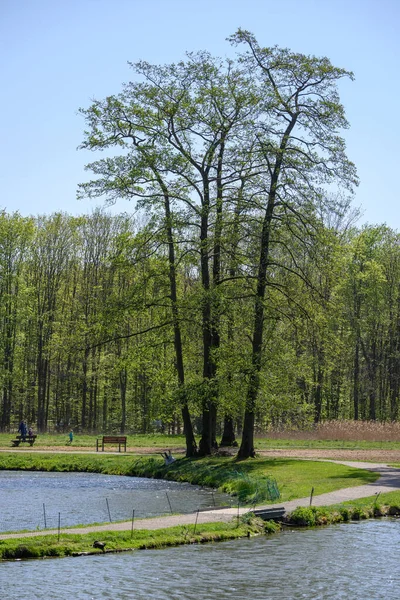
{"points": [[248, 480], [157, 441]]}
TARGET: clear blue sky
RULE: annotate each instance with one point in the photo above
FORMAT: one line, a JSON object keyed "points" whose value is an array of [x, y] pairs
{"points": [[57, 55]]}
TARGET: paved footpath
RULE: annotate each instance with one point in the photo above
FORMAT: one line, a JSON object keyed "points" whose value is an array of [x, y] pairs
{"points": [[389, 481]]}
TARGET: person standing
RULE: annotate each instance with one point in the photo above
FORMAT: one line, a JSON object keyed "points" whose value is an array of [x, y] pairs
{"points": [[22, 429]]}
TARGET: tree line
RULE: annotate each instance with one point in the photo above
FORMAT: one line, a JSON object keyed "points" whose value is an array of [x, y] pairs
{"points": [[237, 295], [88, 333]]}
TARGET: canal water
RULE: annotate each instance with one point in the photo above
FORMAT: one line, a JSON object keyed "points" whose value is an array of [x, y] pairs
{"points": [[35, 500], [358, 561]]}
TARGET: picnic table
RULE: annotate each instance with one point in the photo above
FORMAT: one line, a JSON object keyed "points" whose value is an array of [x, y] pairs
{"points": [[29, 439]]}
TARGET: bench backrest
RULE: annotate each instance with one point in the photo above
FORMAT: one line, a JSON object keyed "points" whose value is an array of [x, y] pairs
{"points": [[113, 438]]}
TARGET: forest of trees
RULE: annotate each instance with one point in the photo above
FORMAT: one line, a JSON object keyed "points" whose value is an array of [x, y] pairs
{"points": [[238, 295]]}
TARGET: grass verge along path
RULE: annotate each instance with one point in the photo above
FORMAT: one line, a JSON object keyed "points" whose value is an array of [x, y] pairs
{"points": [[72, 544], [248, 480]]}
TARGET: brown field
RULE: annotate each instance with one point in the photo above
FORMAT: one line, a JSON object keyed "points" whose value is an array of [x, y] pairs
{"points": [[371, 431], [373, 455]]}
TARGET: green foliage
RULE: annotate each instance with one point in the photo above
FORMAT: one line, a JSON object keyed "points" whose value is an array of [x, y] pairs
{"points": [[358, 513], [317, 516], [303, 516], [353, 510], [345, 514], [272, 527], [252, 490], [92, 305], [394, 510], [378, 510]]}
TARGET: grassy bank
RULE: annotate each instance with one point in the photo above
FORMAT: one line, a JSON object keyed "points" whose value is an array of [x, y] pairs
{"points": [[248, 525], [245, 479], [78, 544], [248, 480], [381, 505]]}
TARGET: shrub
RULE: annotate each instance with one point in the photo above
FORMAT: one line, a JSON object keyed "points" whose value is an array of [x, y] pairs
{"points": [[394, 510], [345, 514], [252, 491], [272, 527], [378, 510], [21, 551], [303, 516], [310, 516], [358, 513]]}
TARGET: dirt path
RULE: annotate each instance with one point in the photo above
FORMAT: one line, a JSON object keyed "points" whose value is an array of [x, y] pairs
{"points": [[374, 455], [388, 481]]}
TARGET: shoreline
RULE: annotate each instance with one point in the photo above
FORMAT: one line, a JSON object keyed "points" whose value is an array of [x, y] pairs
{"points": [[388, 481]]}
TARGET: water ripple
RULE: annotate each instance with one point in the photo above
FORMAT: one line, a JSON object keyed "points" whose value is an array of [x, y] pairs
{"points": [[357, 561]]}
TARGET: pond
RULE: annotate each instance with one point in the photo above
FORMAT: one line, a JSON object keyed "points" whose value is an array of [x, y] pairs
{"points": [[358, 561], [34, 500]]}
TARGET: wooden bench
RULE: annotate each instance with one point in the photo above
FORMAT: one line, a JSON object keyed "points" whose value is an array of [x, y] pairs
{"points": [[30, 439], [111, 439], [270, 514]]}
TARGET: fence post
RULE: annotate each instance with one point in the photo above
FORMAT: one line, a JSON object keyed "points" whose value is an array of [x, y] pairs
{"points": [[197, 516], [133, 519], [108, 508], [170, 507]]}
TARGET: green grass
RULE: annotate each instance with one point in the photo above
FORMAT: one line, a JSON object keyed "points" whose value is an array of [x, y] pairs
{"points": [[388, 499], [59, 440], [245, 479], [378, 505], [178, 441], [295, 478], [73, 544]]}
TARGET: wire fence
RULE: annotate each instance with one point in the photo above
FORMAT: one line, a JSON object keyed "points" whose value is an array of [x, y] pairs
{"points": [[36, 501], [37, 515]]}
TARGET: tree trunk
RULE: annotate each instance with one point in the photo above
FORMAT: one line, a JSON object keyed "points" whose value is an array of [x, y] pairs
{"points": [[228, 435], [247, 447], [191, 447], [208, 441], [123, 379]]}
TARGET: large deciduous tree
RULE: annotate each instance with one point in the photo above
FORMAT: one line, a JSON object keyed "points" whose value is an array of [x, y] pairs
{"points": [[181, 132], [232, 160], [298, 140]]}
